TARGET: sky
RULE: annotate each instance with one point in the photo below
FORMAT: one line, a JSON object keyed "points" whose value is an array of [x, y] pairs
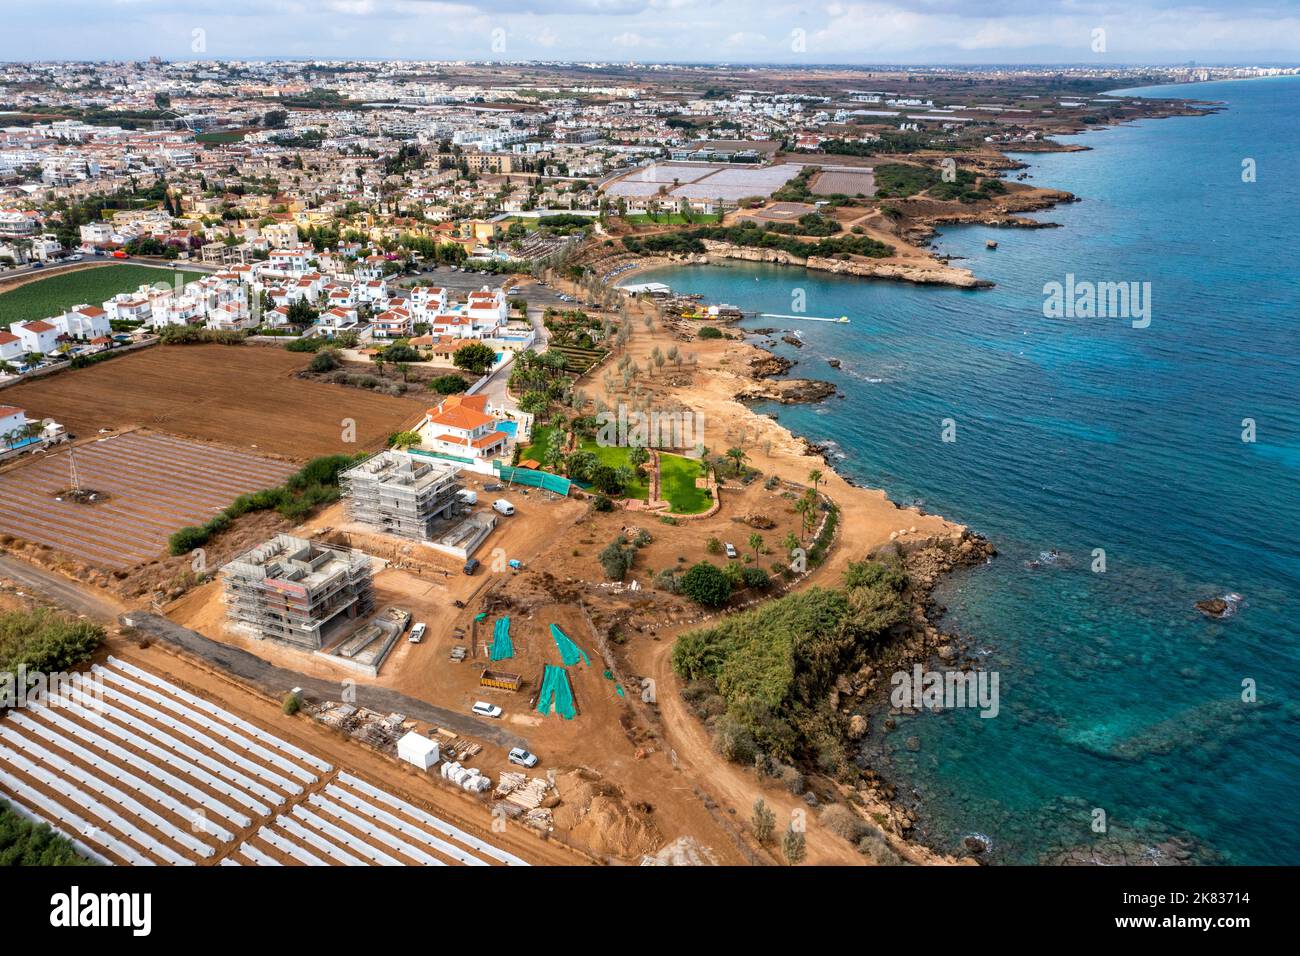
{"points": [[713, 31]]}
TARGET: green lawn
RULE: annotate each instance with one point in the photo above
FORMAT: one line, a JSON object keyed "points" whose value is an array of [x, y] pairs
{"points": [[53, 296], [669, 219], [617, 457], [677, 484], [537, 450], [220, 136]]}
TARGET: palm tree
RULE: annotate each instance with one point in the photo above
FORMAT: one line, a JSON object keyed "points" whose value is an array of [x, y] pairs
{"points": [[804, 508], [756, 543], [738, 457], [815, 476]]}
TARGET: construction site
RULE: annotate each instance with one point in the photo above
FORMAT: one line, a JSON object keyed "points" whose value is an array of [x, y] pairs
{"points": [[399, 495], [298, 591]]}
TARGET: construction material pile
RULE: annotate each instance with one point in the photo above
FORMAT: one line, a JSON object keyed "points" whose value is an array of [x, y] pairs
{"points": [[522, 796], [467, 778]]}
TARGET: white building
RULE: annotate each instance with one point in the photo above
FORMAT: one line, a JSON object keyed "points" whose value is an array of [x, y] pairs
{"points": [[36, 336]]}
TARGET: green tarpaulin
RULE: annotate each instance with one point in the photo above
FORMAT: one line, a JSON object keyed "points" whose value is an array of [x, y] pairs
{"points": [[502, 646], [556, 693], [570, 652]]}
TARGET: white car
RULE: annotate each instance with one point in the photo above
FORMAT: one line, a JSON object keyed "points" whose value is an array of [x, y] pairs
{"points": [[522, 757], [503, 507], [417, 633], [483, 709], [730, 549]]}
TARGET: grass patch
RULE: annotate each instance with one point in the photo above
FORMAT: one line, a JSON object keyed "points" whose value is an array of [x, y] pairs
{"points": [[677, 476], [617, 457], [58, 293], [539, 443]]}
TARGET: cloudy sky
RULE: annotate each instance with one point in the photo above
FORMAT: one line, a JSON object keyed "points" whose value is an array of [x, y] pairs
{"points": [[762, 31]]}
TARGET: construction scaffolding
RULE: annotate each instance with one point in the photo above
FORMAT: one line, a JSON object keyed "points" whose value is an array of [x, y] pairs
{"points": [[294, 590], [399, 495]]}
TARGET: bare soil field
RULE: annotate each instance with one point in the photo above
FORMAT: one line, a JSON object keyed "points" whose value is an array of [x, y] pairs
{"points": [[243, 396], [145, 487]]}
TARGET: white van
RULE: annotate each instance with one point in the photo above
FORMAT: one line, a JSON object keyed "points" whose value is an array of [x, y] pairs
{"points": [[467, 496], [503, 507]]}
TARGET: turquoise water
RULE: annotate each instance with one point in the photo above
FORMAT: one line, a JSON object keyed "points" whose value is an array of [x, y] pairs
{"points": [[1075, 434]]}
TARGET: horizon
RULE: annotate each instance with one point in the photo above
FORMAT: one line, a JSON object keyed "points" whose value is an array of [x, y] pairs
{"points": [[903, 33]]}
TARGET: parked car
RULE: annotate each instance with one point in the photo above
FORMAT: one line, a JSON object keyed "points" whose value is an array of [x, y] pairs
{"points": [[417, 633], [76, 258], [471, 565], [503, 507], [730, 549], [522, 757], [483, 709], [494, 486]]}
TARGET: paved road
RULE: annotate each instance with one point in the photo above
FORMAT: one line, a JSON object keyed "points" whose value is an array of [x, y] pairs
{"points": [[278, 681], [60, 590]]}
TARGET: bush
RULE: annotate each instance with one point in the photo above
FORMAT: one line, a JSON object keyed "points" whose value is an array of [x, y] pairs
{"points": [[448, 384], [23, 843], [706, 585], [843, 822], [602, 503], [733, 741], [753, 577], [616, 558], [326, 360], [304, 345], [710, 332], [292, 704], [668, 580], [44, 641], [474, 357]]}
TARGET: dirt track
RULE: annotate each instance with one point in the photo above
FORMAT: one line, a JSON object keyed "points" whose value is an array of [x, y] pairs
{"points": [[245, 396]]}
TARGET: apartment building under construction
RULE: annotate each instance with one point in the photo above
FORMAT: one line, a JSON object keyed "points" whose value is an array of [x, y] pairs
{"points": [[299, 591], [400, 494]]}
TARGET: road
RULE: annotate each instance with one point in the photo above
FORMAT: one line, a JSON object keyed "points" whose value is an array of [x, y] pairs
{"points": [[278, 681], [60, 590]]}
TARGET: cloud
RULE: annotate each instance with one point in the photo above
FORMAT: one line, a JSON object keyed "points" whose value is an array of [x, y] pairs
{"points": [[840, 31]]}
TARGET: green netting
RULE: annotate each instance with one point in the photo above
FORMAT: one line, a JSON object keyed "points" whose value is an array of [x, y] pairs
{"points": [[502, 646], [619, 689], [533, 479], [557, 692], [570, 652]]}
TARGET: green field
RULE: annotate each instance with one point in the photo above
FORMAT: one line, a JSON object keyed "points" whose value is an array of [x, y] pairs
{"points": [[670, 219], [219, 137], [54, 295], [616, 456], [677, 484]]}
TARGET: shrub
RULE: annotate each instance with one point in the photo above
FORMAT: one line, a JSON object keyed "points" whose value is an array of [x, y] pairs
{"points": [[706, 585], [714, 546], [304, 345], [843, 822], [23, 843], [44, 641], [326, 360], [733, 741], [448, 384], [710, 332], [616, 558], [602, 503], [292, 704], [752, 577], [762, 822]]}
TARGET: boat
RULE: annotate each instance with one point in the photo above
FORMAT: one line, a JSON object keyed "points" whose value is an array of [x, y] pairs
{"points": [[991, 244]]}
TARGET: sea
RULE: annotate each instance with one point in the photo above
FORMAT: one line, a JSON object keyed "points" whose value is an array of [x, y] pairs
{"points": [[1126, 464]]}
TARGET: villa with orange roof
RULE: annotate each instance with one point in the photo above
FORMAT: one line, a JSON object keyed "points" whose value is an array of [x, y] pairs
{"points": [[463, 426]]}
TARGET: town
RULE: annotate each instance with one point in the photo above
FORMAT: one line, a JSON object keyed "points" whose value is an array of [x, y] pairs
{"points": [[394, 517]]}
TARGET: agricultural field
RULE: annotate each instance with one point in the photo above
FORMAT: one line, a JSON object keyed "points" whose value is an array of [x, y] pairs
{"points": [[146, 773], [577, 359], [146, 487], [245, 396], [55, 294]]}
